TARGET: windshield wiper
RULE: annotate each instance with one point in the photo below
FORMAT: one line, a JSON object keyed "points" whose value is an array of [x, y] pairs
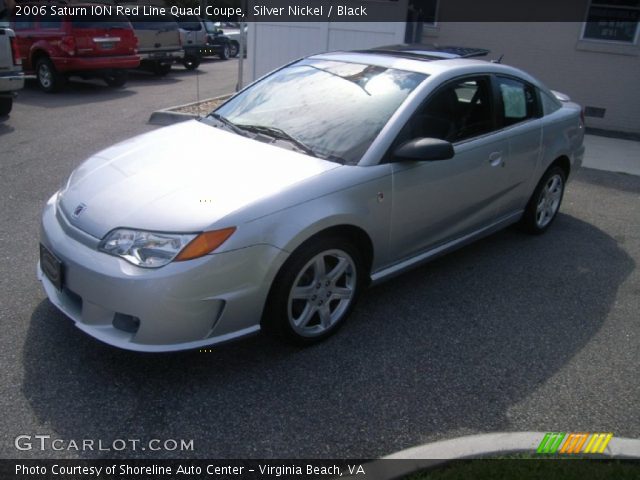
{"points": [[280, 135], [228, 123]]}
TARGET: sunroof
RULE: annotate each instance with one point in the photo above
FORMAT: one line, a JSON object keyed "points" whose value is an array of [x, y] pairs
{"points": [[428, 52]]}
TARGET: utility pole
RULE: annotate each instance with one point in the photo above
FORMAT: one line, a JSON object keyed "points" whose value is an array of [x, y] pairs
{"points": [[243, 42]]}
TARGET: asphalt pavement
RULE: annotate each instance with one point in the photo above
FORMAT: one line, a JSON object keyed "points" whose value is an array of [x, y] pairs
{"points": [[512, 333]]}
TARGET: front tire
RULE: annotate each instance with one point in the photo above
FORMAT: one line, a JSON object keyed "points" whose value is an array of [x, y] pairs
{"points": [[315, 291], [6, 103], [234, 49], [224, 53], [545, 202], [117, 78], [49, 79]]}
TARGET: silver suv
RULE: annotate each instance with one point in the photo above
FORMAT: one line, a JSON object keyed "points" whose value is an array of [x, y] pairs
{"points": [[159, 44], [11, 77]]}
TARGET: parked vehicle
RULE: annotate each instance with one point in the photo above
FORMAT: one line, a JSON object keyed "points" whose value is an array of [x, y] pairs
{"points": [[215, 31], [198, 43], [55, 47], [334, 172], [11, 77], [159, 43]]}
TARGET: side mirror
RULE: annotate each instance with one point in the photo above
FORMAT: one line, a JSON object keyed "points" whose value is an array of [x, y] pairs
{"points": [[426, 149]]}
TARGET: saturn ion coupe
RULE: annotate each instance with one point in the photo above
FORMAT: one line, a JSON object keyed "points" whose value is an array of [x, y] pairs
{"points": [[276, 210]]}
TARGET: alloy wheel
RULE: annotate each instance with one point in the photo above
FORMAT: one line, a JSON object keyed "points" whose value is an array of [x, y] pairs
{"points": [[322, 292], [549, 200]]}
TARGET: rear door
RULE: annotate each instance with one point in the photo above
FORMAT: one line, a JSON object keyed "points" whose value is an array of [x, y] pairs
{"points": [[24, 27], [103, 35]]}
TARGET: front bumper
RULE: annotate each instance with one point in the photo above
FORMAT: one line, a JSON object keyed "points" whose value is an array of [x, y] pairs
{"points": [[180, 306]]}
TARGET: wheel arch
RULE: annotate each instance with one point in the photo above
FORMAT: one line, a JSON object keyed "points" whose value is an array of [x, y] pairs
{"points": [[352, 233], [564, 163], [36, 54]]}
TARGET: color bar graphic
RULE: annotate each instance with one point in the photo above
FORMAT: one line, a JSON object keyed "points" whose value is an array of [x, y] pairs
{"points": [[573, 442]]}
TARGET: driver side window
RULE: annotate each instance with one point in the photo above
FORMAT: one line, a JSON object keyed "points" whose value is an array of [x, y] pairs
{"points": [[458, 111]]}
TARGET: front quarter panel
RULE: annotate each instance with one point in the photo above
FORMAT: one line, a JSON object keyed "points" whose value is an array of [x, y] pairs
{"points": [[351, 195]]}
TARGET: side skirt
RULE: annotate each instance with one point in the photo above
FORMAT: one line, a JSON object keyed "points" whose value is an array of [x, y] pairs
{"points": [[424, 257]]}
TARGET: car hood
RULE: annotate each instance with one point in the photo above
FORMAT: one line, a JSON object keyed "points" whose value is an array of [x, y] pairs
{"points": [[181, 178]]}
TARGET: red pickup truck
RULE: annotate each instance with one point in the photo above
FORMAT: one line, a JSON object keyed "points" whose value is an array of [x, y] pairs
{"points": [[55, 47]]}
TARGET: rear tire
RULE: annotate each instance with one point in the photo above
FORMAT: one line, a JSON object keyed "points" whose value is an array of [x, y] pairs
{"points": [[161, 69], [49, 79], [117, 79], [544, 204], [6, 103], [191, 62], [315, 291]]}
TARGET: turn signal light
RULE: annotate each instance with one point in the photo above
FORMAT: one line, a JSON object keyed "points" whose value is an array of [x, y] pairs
{"points": [[204, 243]]}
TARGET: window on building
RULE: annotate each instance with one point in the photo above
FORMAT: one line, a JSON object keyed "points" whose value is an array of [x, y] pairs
{"points": [[612, 21], [420, 13]]}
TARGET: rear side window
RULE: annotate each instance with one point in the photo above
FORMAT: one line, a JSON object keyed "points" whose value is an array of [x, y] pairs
{"points": [[100, 21], [153, 22], [24, 22], [51, 22], [189, 22], [518, 101]]}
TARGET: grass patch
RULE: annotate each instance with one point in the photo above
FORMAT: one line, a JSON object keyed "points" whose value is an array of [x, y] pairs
{"points": [[532, 468]]}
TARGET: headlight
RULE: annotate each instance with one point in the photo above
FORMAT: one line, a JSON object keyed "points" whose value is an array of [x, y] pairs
{"points": [[156, 249], [145, 249]]}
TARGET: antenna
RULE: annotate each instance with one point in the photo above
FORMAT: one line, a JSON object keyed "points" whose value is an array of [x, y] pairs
{"points": [[499, 60]]}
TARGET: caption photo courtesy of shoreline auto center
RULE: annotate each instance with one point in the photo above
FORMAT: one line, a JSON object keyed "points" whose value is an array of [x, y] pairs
{"points": [[368, 239]]}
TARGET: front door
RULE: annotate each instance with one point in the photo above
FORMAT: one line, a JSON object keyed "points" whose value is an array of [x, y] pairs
{"points": [[437, 201]]}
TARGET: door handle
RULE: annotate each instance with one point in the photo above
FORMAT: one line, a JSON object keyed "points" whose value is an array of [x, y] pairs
{"points": [[495, 159]]}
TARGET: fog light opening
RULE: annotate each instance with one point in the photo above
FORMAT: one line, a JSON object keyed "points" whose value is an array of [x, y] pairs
{"points": [[126, 323]]}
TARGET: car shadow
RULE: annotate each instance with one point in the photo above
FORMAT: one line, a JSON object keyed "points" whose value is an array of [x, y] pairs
{"points": [[4, 127], [448, 347], [74, 92]]}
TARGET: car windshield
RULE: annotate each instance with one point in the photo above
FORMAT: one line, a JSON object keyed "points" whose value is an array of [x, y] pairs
{"points": [[189, 22], [153, 22], [334, 109]]}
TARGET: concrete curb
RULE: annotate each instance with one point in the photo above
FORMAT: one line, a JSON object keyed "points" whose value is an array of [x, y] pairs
{"points": [[167, 116], [478, 446]]}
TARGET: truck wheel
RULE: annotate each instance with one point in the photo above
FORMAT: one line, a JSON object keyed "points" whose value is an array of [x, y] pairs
{"points": [[161, 69], [117, 78], [191, 62], [49, 79], [5, 106]]}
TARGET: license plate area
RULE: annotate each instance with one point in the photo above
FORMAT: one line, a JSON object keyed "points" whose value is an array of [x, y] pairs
{"points": [[51, 267], [107, 45]]}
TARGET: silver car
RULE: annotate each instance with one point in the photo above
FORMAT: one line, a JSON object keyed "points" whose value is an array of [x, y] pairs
{"points": [[276, 210]]}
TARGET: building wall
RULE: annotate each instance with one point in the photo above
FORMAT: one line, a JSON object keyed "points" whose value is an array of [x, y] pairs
{"points": [[273, 44], [597, 74]]}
